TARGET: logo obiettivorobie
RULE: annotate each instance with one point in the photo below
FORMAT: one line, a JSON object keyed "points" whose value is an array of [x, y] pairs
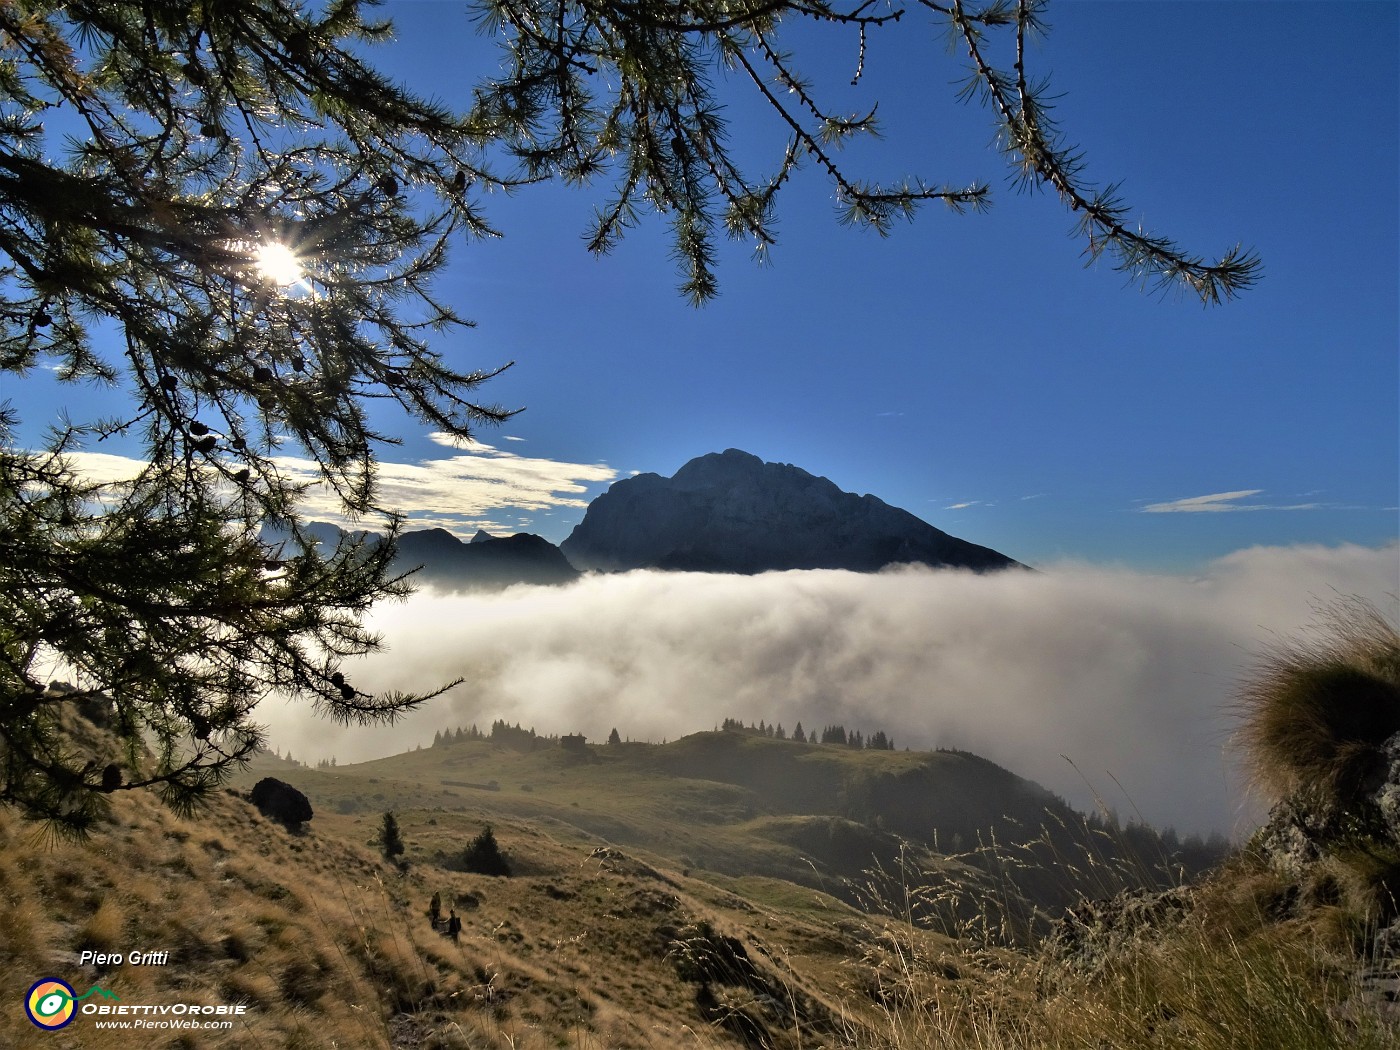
{"points": [[50, 1003]]}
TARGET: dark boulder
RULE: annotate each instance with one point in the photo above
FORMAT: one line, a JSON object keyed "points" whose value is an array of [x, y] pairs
{"points": [[277, 800]]}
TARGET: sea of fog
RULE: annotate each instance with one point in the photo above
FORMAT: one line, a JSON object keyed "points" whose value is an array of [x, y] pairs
{"points": [[1087, 679]]}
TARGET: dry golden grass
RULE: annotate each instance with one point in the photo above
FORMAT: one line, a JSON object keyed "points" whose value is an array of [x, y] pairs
{"points": [[330, 947], [1228, 977], [104, 929]]}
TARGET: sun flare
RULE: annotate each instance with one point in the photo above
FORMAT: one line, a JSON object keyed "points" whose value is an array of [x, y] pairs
{"points": [[278, 263]]}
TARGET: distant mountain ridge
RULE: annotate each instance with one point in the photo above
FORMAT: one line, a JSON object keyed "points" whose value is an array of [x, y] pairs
{"points": [[485, 563], [724, 512], [732, 512]]}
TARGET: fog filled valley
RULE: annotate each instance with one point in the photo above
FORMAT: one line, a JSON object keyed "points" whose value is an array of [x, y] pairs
{"points": [[747, 762], [1127, 674]]}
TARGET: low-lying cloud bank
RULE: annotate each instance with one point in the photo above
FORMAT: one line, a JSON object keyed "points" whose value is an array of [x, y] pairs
{"points": [[1127, 674]]}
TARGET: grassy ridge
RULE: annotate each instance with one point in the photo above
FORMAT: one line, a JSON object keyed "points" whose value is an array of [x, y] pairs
{"points": [[738, 803], [331, 946]]}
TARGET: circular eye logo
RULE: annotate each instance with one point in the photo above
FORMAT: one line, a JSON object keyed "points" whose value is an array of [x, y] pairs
{"points": [[50, 1003]]}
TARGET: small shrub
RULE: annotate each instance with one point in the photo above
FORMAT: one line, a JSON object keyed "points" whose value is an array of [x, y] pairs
{"points": [[483, 855]]}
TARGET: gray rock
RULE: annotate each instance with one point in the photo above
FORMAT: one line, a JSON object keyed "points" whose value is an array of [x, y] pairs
{"points": [[1387, 797], [1298, 834], [1093, 932], [1292, 839]]}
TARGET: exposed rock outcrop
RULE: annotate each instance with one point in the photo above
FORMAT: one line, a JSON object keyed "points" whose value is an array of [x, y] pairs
{"points": [[1298, 835], [277, 800], [1093, 932]]}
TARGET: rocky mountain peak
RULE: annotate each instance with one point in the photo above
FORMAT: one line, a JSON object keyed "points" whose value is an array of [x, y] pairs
{"points": [[732, 512]]}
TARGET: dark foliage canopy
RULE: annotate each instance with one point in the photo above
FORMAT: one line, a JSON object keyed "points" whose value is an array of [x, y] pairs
{"points": [[220, 211]]}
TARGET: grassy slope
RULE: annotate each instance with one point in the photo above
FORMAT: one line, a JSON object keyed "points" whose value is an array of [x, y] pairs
{"points": [[622, 948], [728, 803], [332, 947]]}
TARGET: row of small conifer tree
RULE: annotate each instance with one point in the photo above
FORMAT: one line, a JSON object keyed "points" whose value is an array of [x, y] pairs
{"points": [[832, 734], [513, 735]]}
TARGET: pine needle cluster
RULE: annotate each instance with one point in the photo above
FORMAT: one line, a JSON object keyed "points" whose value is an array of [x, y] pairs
{"points": [[624, 90], [224, 215]]}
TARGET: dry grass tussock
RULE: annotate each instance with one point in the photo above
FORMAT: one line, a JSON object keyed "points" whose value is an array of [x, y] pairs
{"points": [[1316, 710]]}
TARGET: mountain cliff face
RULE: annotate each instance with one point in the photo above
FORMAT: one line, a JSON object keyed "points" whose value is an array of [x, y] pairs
{"points": [[732, 512]]}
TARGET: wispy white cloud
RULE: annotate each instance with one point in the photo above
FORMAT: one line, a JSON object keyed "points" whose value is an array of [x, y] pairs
{"points": [[512, 437], [1222, 501], [1217, 501], [463, 492], [483, 487], [963, 506]]}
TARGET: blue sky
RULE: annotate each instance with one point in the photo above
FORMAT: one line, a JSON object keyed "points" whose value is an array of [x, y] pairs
{"points": [[969, 368]]}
